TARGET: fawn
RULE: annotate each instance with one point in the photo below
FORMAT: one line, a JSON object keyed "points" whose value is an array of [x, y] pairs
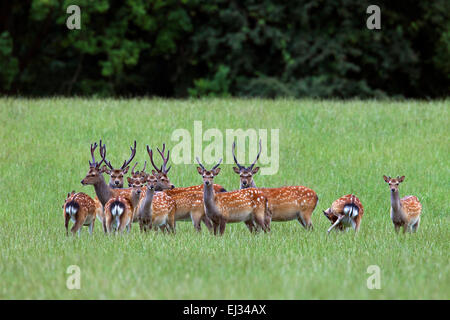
{"points": [[116, 175], [284, 203], [245, 205], [347, 211], [405, 212], [81, 209], [156, 209]]}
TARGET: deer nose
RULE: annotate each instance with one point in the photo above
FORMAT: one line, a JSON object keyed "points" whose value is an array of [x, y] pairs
{"points": [[392, 189], [172, 187], [116, 182], [82, 181], [207, 183]]}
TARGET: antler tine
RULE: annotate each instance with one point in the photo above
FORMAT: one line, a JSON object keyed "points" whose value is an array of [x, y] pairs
{"points": [[150, 154], [234, 156], [257, 157], [93, 147], [103, 155], [133, 153], [145, 165], [132, 170], [200, 164], [165, 160], [217, 164]]}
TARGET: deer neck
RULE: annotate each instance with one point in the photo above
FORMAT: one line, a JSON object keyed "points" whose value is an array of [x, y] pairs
{"points": [[146, 207], [209, 199], [397, 211], [135, 198], [103, 191]]}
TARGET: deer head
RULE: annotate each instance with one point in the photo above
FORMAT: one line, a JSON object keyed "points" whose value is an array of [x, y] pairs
{"points": [[94, 174], [138, 175], [116, 175], [394, 182], [161, 172], [208, 175], [246, 173]]}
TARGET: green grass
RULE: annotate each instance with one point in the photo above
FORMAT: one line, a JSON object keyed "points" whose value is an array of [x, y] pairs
{"points": [[333, 147]]}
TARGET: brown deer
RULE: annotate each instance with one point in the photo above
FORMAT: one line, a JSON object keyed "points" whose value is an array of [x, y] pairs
{"points": [[95, 177], [189, 200], [138, 175], [284, 203], [347, 211], [156, 209], [116, 175], [81, 210], [405, 212], [245, 205]]}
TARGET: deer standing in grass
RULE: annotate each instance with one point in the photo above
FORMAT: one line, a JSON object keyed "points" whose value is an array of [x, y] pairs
{"points": [[405, 212], [116, 175], [189, 200], [347, 211], [284, 203], [156, 209], [245, 205], [81, 210], [103, 191], [119, 210]]}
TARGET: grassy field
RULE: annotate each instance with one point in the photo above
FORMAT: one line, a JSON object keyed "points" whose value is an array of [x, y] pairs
{"points": [[332, 147]]}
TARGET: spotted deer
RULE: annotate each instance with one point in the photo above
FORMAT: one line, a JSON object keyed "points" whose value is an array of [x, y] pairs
{"points": [[103, 191], [347, 211], [138, 175], [245, 205], [188, 201], [119, 210], [81, 210], [156, 209], [116, 175], [405, 212], [284, 203]]}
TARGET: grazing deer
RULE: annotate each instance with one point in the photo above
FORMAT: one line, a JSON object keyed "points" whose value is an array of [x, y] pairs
{"points": [[116, 175], [347, 211], [188, 201], [284, 203], [245, 205], [95, 177], [405, 212], [156, 209], [81, 209]]}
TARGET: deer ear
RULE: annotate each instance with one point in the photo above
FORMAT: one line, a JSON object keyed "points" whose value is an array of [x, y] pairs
{"points": [[255, 170], [401, 179], [236, 170], [386, 178], [216, 171], [129, 180], [126, 170], [154, 172], [199, 170]]}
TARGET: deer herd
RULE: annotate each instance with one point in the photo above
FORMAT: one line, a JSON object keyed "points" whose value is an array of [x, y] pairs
{"points": [[155, 203]]}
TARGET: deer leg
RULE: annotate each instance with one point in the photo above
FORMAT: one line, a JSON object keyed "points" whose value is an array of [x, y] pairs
{"points": [[207, 222], [66, 223], [77, 227], [196, 219], [222, 226], [335, 224], [415, 226], [91, 227]]}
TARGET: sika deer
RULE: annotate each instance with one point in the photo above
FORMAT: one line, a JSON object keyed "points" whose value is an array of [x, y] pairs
{"points": [[81, 209], [405, 212], [245, 205], [138, 175], [347, 211], [284, 203], [95, 177], [116, 175], [156, 209], [188, 201]]}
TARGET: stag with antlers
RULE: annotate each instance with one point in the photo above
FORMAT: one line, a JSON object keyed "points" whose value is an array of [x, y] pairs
{"points": [[116, 175]]}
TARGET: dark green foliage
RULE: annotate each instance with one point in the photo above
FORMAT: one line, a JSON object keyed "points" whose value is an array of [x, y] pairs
{"points": [[252, 48]]}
